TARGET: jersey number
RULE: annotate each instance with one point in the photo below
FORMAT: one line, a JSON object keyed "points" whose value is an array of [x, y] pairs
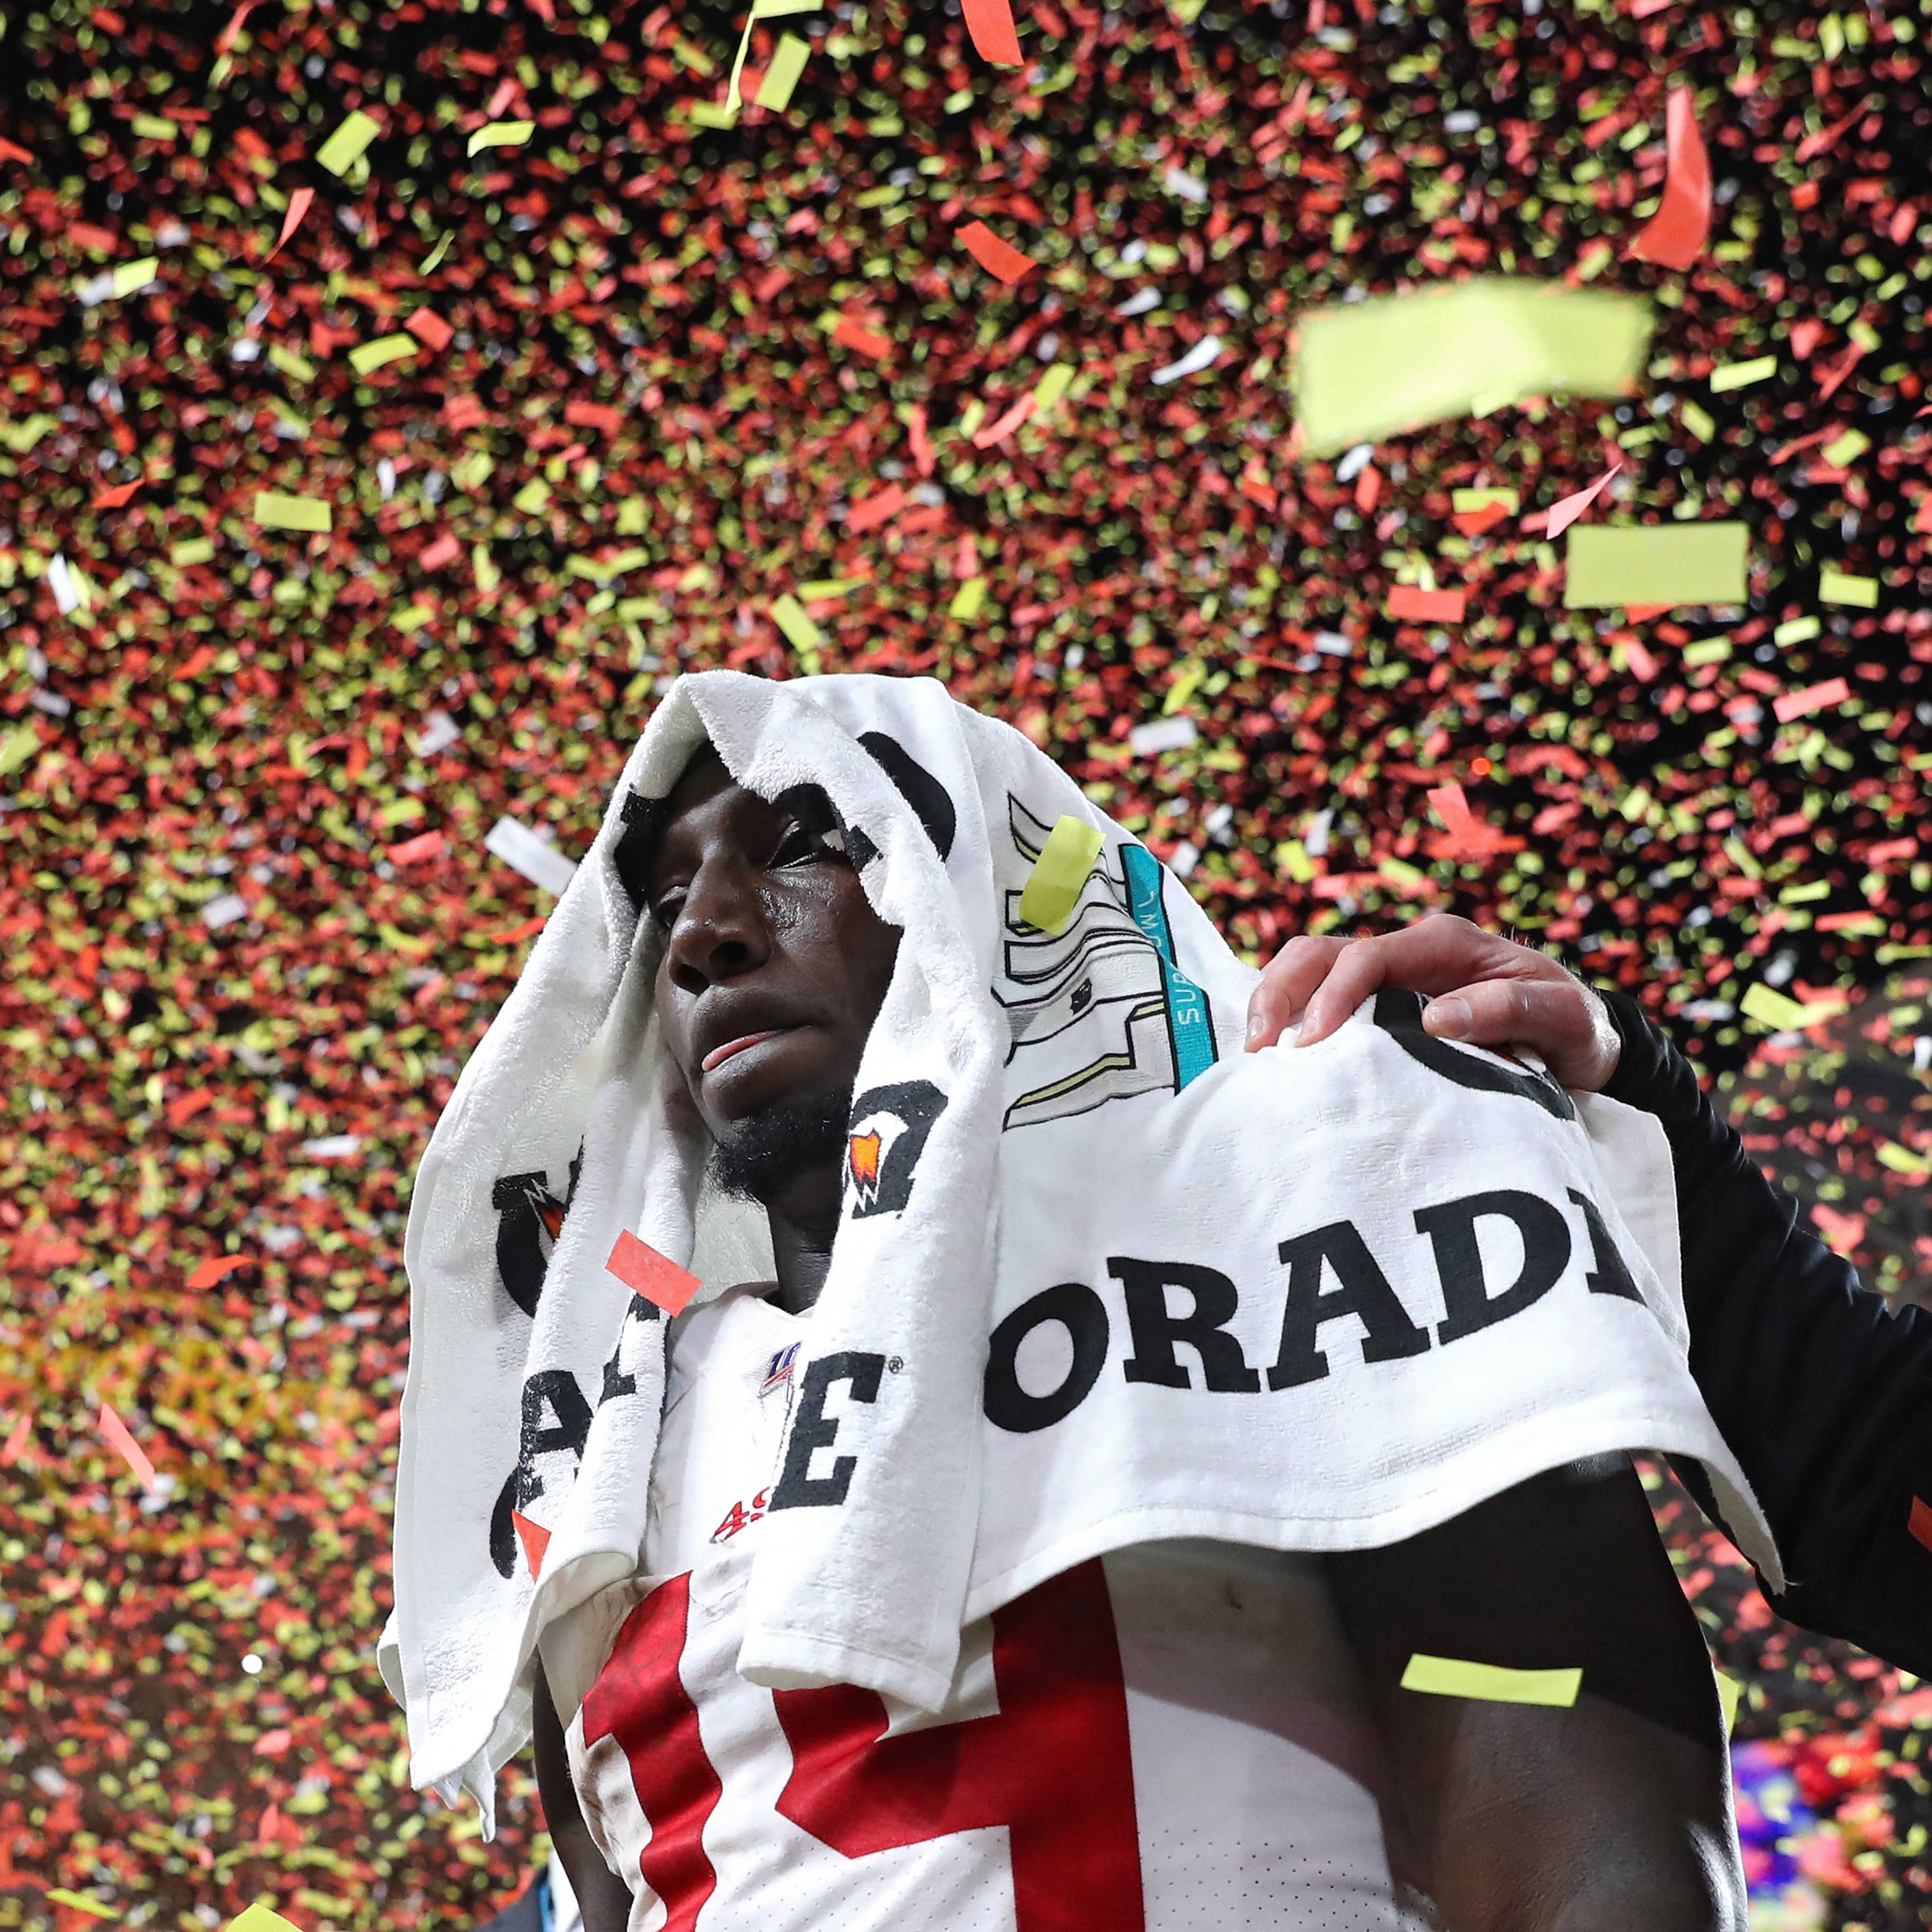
{"points": [[1053, 1766]]}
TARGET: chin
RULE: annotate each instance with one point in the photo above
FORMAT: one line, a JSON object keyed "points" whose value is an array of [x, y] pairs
{"points": [[756, 1155]]}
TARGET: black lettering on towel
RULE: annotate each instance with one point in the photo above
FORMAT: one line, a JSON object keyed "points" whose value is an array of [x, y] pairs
{"points": [[1156, 1328], [1083, 1315], [1466, 1299], [1611, 1275], [1388, 1334], [812, 1429]]}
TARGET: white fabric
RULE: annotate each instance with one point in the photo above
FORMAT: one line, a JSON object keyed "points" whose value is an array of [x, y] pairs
{"points": [[1068, 1116], [1254, 1760]]}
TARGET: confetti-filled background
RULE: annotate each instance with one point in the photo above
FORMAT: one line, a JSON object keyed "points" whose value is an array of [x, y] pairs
{"points": [[646, 378]]}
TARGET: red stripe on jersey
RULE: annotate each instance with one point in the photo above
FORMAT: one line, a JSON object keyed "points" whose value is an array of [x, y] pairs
{"points": [[640, 1699], [1054, 1766]]}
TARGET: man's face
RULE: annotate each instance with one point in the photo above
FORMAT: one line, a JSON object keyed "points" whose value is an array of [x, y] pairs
{"points": [[775, 965]]}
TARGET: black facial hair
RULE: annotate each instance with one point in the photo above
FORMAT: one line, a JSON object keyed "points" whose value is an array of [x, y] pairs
{"points": [[755, 1158]]}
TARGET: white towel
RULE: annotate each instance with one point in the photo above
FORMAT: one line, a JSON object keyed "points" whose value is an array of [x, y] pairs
{"points": [[1094, 1260]]}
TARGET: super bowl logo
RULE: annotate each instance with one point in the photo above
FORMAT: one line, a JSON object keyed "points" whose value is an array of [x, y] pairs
{"points": [[889, 1125]]}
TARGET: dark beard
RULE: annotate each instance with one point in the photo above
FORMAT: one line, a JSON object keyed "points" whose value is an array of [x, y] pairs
{"points": [[756, 1158]]}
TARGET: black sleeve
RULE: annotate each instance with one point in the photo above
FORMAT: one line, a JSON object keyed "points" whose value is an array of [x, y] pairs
{"points": [[1823, 1391]]}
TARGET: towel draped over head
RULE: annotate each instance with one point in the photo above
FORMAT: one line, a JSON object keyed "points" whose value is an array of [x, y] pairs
{"points": [[1100, 1278]]}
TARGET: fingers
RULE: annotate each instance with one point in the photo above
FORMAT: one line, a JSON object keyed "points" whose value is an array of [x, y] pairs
{"points": [[1561, 1021], [1288, 978], [1431, 956]]}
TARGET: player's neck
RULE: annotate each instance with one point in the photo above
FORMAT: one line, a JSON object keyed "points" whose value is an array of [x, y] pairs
{"points": [[804, 1220]]}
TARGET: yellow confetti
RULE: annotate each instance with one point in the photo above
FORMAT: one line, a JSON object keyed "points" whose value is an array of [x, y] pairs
{"points": [[968, 600], [80, 1902], [290, 363], [434, 260], [1060, 873], [153, 127], [192, 549], [17, 747], [132, 275], [1491, 1683], [761, 10], [1464, 501], [533, 497], [369, 356], [1291, 856], [1738, 375], [1698, 421], [1730, 1691], [1846, 448], [827, 587], [1661, 563], [1707, 651], [259, 1918], [21, 436], [501, 134], [488, 577], [789, 615], [1365, 370], [1051, 388], [1798, 631], [1834, 587], [1405, 878], [274, 512], [1902, 1160], [775, 90], [346, 145], [412, 617], [1782, 1014]]}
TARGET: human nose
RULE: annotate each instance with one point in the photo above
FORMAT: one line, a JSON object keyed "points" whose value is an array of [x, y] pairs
{"points": [[720, 932]]}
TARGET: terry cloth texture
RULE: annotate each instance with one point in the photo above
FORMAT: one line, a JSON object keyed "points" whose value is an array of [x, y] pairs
{"points": [[1095, 1261]]}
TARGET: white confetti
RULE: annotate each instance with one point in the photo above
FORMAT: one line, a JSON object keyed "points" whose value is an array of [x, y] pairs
{"points": [[333, 1147], [60, 582], [1352, 465], [1178, 181], [223, 911], [1139, 302], [1333, 643], [539, 862], [439, 731], [1164, 734], [1185, 856], [1200, 357]]}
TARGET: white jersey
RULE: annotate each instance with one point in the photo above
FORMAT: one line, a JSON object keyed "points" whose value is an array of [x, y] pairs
{"points": [[1174, 1738]]}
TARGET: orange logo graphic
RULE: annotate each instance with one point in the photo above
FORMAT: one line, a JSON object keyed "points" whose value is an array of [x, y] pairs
{"points": [[864, 1158]]}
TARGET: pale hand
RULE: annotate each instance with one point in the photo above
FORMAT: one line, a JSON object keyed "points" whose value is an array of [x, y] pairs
{"points": [[1483, 989]]}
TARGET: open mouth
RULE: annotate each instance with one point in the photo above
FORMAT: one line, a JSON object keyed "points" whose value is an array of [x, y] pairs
{"points": [[717, 1056]]}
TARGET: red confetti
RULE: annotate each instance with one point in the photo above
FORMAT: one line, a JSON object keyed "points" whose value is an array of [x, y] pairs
{"points": [[1411, 602], [867, 341], [1675, 236], [216, 1268], [114, 1432], [516, 932], [297, 207], [875, 509], [995, 256], [535, 1539], [1921, 1523], [991, 24], [642, 1269], [445, 550], [17, 1438], [11, 151], [414, 851], [122, 493], [1812, 698], [429, 328], [1558, 518]]}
